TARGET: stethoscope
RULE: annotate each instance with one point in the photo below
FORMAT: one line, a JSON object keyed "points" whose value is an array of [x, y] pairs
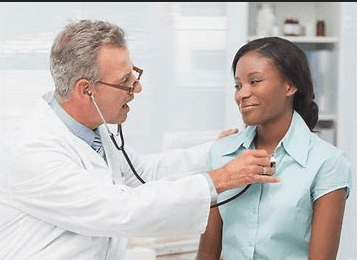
{"points": [[112, 137], [121, 148]]}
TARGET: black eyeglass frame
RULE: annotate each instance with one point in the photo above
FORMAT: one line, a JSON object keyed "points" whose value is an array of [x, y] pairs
{"points": [[129, 89]]}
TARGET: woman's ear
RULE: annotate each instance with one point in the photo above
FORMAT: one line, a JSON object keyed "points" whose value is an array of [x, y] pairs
{"points": [[290, 89]]}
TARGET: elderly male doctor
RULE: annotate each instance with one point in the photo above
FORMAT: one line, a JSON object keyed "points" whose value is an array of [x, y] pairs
{"points": [[60, 199]]}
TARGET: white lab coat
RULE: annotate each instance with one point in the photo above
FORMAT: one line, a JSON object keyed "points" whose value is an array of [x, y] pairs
{"points": [[60, 200]]}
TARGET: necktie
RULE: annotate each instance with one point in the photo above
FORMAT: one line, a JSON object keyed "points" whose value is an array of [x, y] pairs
{"points": [[97, 145]]}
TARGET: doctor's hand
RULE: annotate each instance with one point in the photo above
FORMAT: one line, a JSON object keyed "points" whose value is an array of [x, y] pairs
{"points": [[227, 132], [251, 166]]}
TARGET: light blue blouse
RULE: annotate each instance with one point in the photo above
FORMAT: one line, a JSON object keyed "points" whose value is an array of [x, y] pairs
{"points": [[273, 221]]}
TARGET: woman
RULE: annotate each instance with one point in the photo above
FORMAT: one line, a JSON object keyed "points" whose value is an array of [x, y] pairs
{"points": [[301, 216]]}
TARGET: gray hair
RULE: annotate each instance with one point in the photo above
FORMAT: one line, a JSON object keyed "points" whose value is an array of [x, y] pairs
{"points": [[74, 53]]}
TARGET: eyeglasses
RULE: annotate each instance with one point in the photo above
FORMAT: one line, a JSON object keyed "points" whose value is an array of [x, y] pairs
{"points": [[137, 74]]}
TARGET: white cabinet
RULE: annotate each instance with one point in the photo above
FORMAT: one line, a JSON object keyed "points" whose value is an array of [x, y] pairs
{"points": [[322, 51]]}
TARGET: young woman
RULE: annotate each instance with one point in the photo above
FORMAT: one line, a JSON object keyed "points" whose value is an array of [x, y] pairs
{"points": [[301, 216]]}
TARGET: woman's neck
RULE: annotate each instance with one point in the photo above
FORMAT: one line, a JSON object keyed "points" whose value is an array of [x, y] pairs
{"points": [[268, 136]]}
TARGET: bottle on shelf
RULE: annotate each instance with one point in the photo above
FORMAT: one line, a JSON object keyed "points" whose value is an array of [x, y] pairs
{"points": [[320, 27], [265, 19], [291, 26]]}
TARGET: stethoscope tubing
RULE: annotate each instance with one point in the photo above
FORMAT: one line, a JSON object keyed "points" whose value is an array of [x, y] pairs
{"points": [[121, 148], [232, 198]]}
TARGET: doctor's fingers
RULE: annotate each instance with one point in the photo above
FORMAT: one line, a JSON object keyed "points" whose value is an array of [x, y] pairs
{"points": [[264, 179], [259, 173], [251, 174], [247, 166], [227, 133], [251, 158], [256, 153]]}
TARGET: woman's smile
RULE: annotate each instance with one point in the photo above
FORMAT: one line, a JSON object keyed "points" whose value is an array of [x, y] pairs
{"points": [[247, 107]]}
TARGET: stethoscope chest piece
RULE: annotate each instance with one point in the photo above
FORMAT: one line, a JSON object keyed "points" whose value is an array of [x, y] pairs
{"points": [[273, 163]]}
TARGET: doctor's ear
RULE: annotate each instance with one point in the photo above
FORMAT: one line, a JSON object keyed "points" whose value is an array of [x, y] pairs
{"points": [[82, 87]]}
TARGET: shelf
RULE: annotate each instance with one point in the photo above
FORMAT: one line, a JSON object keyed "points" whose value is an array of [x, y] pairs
{"points": [[303, 39], [327, 117]]}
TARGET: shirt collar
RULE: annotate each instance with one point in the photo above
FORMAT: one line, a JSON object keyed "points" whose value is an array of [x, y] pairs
{"points": [[295, 142], [244, 139], [81, 131]]}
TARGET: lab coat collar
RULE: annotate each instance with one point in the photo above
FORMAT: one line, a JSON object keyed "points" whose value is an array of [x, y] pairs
{"points": [[57, 127], [78, 129]]}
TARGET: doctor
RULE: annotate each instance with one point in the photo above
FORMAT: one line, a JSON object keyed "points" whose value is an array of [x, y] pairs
{"points": [[61, 199]]}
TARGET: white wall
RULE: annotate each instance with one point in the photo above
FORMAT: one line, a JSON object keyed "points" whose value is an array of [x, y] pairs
{"points": [[187, 82], [347, 121]]}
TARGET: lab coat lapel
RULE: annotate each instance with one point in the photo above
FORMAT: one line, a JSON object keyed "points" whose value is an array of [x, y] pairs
{"points": [[55, 125]]}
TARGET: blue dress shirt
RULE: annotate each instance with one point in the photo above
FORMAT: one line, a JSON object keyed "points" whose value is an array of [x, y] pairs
{"points": [[273, 221]]}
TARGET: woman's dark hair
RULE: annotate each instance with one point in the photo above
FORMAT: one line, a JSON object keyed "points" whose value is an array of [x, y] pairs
{"points": [[293, 66]]}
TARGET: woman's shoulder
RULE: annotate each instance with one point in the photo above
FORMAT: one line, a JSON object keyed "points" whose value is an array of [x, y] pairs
{"points": [[333, 168], [323, 147], [327, 156]]}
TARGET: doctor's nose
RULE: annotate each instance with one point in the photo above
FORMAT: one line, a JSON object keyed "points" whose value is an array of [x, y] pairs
{"points": [[136, 87]]}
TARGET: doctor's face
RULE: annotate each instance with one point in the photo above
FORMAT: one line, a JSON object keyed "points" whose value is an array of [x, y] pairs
{"points": [[116, 78]]}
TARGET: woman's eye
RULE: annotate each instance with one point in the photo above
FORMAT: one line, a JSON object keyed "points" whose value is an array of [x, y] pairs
{"points": [[255, 81], [238, 86]]}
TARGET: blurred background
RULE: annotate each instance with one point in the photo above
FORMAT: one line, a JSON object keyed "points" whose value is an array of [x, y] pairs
{"points": [[186, 50]]}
